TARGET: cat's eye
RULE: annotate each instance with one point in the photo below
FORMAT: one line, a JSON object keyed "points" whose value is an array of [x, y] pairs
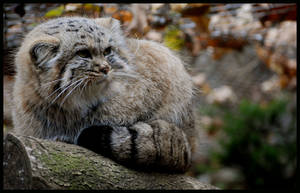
{"points": [[107, 51], [84, 53]]}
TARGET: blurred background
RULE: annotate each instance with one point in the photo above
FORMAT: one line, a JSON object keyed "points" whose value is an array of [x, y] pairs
{"points": [[242, 58]]}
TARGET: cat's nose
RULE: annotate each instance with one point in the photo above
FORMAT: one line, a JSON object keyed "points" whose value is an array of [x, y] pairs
{"points": [[102, 68]]}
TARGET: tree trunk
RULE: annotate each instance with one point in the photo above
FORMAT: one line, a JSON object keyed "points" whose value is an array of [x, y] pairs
{"points": [[31, 163]]}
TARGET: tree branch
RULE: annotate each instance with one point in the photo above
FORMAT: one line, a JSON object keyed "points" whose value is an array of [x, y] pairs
{"points": [[31, 163]]}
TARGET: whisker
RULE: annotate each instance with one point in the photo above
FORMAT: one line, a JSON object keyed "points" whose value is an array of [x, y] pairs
{"points": [[137, 48], [54, 92], [122, 74], [145, 81], [82, 79], [64, 90], [84, 86]]}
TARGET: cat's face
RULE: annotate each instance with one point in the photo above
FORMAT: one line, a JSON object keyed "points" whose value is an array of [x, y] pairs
{"points": [[83, 55]]}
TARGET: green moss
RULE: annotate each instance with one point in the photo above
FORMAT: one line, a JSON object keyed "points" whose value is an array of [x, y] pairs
{"points": [[64, 166]]}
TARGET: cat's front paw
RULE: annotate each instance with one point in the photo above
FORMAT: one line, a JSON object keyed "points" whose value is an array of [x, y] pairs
{"points": [[96, 138], [111, 141], [172, 146]]}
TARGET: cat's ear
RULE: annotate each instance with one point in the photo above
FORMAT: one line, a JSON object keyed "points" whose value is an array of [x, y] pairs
{"points": [[110, 23], [42, 52]]}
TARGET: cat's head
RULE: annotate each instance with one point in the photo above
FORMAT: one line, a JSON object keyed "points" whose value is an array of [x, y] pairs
{"points": [[73, 55]]}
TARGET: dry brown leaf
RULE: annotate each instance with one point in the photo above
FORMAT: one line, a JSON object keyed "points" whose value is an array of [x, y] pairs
{"points": [[195, 9], [123, 15], [110, 9]]}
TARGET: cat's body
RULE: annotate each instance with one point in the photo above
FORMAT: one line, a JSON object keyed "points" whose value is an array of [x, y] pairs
{"points": [[74, 73]]}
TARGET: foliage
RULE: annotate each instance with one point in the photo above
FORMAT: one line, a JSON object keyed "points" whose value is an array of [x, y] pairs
{"points": [[220, 28], [55, 12], [173, 38], [258, 141]]}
